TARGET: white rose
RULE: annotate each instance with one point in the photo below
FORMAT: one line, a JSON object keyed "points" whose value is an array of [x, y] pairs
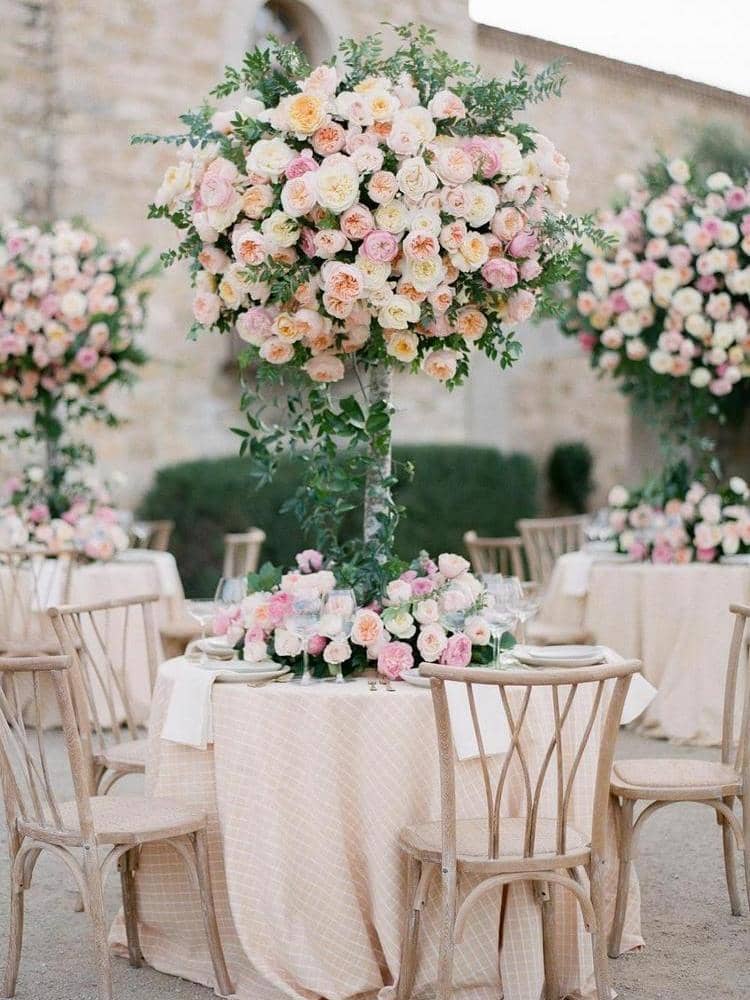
{"points": [[415, 178], [661, 362], [255, 651], [710, 508], [338, 651], [269, 157], [401, 625], [337, 183], [679, 171], [618, 496], [481, 202], [427, 611], [738, 485], [451, 565], [477, 629], [176, 185], [398, 313], [687, 301], [718, 181], [637, 294], [73, 304], [280, 230], [431, 642], [286, 643], [659, 219], [399, 591]]}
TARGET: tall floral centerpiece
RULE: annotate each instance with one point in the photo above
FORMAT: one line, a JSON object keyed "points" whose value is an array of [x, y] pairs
{"points": [[380, 213], [666, 308], [71, 307]]}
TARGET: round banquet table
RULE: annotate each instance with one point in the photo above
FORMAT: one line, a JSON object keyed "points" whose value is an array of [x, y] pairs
{"points": [[675, 619], [305, 790]]}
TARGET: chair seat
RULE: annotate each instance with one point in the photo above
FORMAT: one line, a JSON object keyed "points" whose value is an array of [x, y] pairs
{"points": [[670, 778], [29, 647], [130, 756], [541, 634], [425, 840], [135, 819]]}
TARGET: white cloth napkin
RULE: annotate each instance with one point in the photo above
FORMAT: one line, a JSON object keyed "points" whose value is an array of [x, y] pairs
{"points": [[189, 716], [165, 566], [48, 584], [576, 568], [493, 724]]}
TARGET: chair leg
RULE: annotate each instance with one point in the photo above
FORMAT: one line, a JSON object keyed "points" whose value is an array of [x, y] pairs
{"points": [[730, 861], [746, 843], [444, 990], [551, 990], [15, 931], [127, 865], [410, 941], [224, 985], [624, 810], [98, 922], [598, 938]]}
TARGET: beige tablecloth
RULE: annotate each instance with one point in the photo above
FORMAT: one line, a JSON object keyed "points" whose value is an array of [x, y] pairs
{"points": [[306, 790], [675, 619]]}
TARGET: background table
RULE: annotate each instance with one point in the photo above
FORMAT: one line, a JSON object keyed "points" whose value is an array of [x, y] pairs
{"points": [[675, 619], [306, 790]]}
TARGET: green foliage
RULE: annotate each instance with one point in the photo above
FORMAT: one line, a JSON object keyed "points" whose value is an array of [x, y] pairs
{"points": [[720, 147], [569, 474], [454, 488]]}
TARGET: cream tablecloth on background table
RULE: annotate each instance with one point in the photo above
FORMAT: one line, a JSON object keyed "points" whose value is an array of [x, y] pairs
{"points": [[675, 619], [306, 790]]}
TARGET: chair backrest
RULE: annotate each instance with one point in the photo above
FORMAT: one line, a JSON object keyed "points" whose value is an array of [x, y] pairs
{"points": [[154, 535], [28, 790], [104, 641], [242, 552], [30, 582], [562, 725], [736, 751], [545, 539], [495, 555]]}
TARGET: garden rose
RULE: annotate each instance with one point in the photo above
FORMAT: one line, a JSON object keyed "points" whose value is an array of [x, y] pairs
{"points": [[431, 642], [367, 628], [394, 658], [457, 652]]}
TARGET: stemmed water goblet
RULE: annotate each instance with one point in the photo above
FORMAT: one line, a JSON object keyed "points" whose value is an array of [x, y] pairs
{"points": [[501, 612], [338, 614], [231, 591], [202, 610], [303, 622]]}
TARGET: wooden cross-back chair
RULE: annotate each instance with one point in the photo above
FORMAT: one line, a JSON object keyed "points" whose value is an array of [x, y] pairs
{"points": [[662, 781], [30, 581], [537, 844], [495, 555], [242, 552], [154, 535], [104, 640], [545, 539], [73, 829]]}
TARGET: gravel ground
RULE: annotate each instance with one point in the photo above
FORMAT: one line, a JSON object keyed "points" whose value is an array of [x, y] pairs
{"points": [[694, 949]]}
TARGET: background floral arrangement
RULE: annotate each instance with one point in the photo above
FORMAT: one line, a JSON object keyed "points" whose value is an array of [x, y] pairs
{"points": [[396, 635], [74, 515], [671, 524], [70, 309], [666, 309], [374, 213]]}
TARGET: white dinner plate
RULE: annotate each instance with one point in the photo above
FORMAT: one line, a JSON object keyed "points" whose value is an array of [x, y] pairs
{"points": [[741, 559], [414, 677], [238, 672], [559, 656]]}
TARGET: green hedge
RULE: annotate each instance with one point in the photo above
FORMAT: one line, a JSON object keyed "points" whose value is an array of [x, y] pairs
{"points": [[454, 488]]}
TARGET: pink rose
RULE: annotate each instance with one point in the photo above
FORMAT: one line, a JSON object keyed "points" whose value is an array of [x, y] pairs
{"points": [[309, 560], [530, 269], [300, 165], [705, 555], [213, 260], [662, 553], [638, 551], [500, 273], [521, 306], [217, 188], [38, 513], [280, 605], [86, 358], [524, 244], [457, 652], [316, 644], [422, 586], [356, 222], [380, 246], [254, 326], [206, 308], [507, 223], [394, 658]]}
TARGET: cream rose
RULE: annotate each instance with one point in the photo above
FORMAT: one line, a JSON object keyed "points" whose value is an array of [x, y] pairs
{"points": [[325, 368], [269, 157], [403, 346], [398, 313], [337, 183], [441, 365]]}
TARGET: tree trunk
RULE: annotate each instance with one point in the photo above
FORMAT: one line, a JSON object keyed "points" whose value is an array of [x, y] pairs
{"points": [[377, 492]]}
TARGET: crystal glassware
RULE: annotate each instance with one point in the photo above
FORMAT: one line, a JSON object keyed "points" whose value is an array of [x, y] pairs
{"points": [[339, 609], [203, 611], [303, 622], [230, 591]]}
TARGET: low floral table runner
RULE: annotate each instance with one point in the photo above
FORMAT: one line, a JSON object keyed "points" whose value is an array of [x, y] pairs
{"points": [[675, 619], [306, 789]]}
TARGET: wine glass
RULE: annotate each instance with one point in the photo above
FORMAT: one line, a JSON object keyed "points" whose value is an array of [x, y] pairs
{"points": [[303, 622], [502, 614], [202, 610], [231, 591], [140, 533], [526, 603], [338, 610], [453, 621]]}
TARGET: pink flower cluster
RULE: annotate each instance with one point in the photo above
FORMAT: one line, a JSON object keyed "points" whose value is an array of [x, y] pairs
{"points": [[703, 525], [69, 310], [405, 229], [675, 293]]}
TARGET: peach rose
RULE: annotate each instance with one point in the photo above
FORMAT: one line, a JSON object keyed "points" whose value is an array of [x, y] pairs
{"points": [[382, 187], [298, 195], [206, 308], [256, 200], [521, 306], [248, 245], [276, 351], [367, 628], [325, 368], [442, 364], [329, 139], [356, 222], [421, 245], [306, 112], [343, 281], [453, 165], [403, 346]]}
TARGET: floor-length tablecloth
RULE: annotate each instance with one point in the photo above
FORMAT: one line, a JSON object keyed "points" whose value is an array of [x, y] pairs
{"points": [[675, 619], [306, 790]]}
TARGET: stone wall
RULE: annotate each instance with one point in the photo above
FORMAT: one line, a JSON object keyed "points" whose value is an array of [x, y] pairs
{"points": [[77, 79]]}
